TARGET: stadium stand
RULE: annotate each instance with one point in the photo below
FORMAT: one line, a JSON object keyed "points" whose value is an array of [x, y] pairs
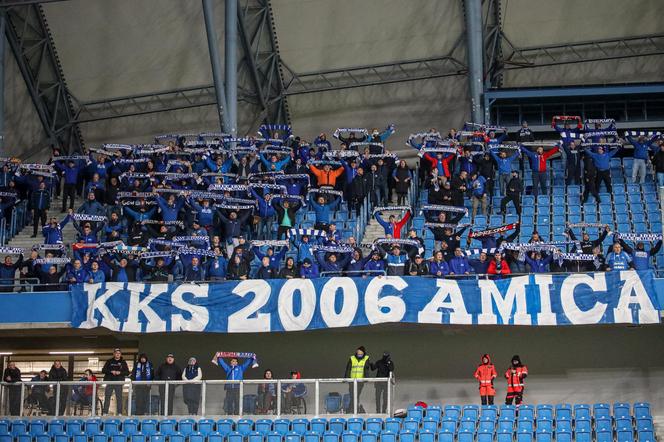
{"points": [[545, 422]]}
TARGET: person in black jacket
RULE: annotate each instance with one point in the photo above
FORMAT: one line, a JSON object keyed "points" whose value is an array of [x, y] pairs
{"points": [[357, 191], [12, 375], [285, 215], [124, 269], [142, 372], [58, 373], [51, 278], [238, 268], [512, 193], [115, 369], [157, 272], [40, 201], [168, 371], [657, 159], [384, 368], [417, 267], [589, 180], [266, 271]]}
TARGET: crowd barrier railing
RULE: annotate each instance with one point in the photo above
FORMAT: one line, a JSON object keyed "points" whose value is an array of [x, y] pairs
{"points": [[269, 397]]}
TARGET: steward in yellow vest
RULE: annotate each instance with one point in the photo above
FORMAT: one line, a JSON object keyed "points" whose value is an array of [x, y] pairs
{"points": [[358, 365]]}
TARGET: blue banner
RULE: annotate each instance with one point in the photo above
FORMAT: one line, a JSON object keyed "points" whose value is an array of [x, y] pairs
{"points": [[255, 306]]}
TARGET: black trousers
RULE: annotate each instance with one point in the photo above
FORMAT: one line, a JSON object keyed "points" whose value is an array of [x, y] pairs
{"points": [[487, 400], [171, 397], [38, 215], [604, 176], [573, 174], [68, 194], [360, 387], [142, 395], [517, 397], [589, 188], [516, 199], [15, 400], [232, 402], [282, 231], [381, 397], [111, 390]]}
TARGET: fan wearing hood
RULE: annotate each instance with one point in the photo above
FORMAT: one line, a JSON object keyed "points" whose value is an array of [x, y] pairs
{"points": [[515, 386], [485, 374]]}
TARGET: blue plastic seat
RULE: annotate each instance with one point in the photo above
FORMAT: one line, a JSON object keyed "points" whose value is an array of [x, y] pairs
{"points": [[407, 436], [235, 436], [42, 437], [545, 425], [415, 412], [505, 424], [74, 426], [124, 438], [337, 425], [178, 437], [644, 424], [311, 436], [603, 423], [544, 411], [138, 437], [563, 424], [485, 436], [299, 426], [410, 424], [508, 411], [368, 436], [255, 436], [355, 425], [471, 411], [5, 426], [25, 437], [244, 426], [168, 427], [392, 425], [445, 436], [149, 427], [111, 426], [625, 435], [543, 436], [467, 424], [157, 438], [281, 426], [434, 412], [524, 425], [430, 424], [526, 412], [215, 436], [374, 424], [504, 436], [583, 436], [204, 426], [583, 424], [330, 436], [489, 411], [465, 436], [318, 425], [646, 436], [38, 426], [426, 436], [487, 424], [292, 436], [448, 425], [582, 411], [388, 436], [563, 436], [524, 436]]}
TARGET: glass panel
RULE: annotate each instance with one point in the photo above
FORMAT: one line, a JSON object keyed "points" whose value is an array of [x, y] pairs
{"points": [[297, 397], [222, 399], [114, 396], [260, 398], [334, 397]]}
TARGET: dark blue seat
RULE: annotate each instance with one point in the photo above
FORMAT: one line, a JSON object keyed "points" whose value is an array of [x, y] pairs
{"points": [[244, 426], [646, 436], [38, 427], [111, 426], [204, 426], [318, 425], [337, 425], [167, 427], [149, 427], [355, 425], [281, 426], [374, 425]]}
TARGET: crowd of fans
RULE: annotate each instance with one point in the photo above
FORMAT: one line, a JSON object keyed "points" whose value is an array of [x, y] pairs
{"points": [[197, 207]]}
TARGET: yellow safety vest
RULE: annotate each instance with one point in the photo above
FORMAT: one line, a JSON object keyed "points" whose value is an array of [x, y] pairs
{"points": [[357, 366]]}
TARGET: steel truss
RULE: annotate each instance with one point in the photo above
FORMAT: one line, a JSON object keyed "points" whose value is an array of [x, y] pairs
{"points": [[32, 44]]}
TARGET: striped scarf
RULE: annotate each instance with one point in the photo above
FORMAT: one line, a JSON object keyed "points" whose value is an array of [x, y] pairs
{"points": [[269, 243], [84, 217], [639, 236], [441, 208], [12, 250], [307, 232], [51, 261], [492, 231]]}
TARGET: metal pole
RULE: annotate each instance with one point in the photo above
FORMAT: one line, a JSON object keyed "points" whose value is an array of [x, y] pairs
{"points": [[3, 26], [166, 399], [94, 400], [389, 395], [215, 61], [203, 394], [23, 387], [317, 398], [130, 396], [57, 399], [241, 401], [278, 398], [355, 397], [475, 54], [230, 61]]}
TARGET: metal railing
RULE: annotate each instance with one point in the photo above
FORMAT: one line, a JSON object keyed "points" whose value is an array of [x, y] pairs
{"points": [[351, 273], [275, 397]]}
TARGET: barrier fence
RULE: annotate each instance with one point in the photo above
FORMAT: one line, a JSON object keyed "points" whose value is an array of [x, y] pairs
{"points": [[278, 397]]}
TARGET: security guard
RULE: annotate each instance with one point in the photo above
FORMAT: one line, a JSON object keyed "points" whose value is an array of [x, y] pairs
{"points": [[515, 376], [358, 367]]}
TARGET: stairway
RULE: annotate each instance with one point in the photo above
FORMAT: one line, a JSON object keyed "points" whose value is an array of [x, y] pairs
{"points": [[24, 237]]}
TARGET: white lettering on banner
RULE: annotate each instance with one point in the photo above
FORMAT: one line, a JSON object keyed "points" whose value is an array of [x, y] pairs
{"points": [[108, 320], [545, 315], [633, 292], [432, 314], [136, 306], [199, 314], [241, 321], [516, 293], [349, 302], [289, 320], [597, 283], [373, 305]]}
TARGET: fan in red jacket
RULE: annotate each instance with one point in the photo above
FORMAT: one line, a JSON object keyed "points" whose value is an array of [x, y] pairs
{"points": [[485, 374], [498, 266], [515, 386]]}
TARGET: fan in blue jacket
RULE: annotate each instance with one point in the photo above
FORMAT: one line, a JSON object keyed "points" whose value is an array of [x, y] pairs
{"points": [[308, 269], [171, 207], [376, 264], [641, 258], [332, 263], [617, 259], [275, 258], [459, 264], [53, 231], [323, 210], [538, 264], [438, 266]]}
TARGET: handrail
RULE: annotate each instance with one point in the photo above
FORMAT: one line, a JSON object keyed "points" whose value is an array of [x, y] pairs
{"points": [[168, 388], [353, 273]]}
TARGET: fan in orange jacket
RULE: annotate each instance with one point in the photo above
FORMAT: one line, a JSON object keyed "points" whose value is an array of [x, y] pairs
{"points": [[485, 374], [515, 376]]}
